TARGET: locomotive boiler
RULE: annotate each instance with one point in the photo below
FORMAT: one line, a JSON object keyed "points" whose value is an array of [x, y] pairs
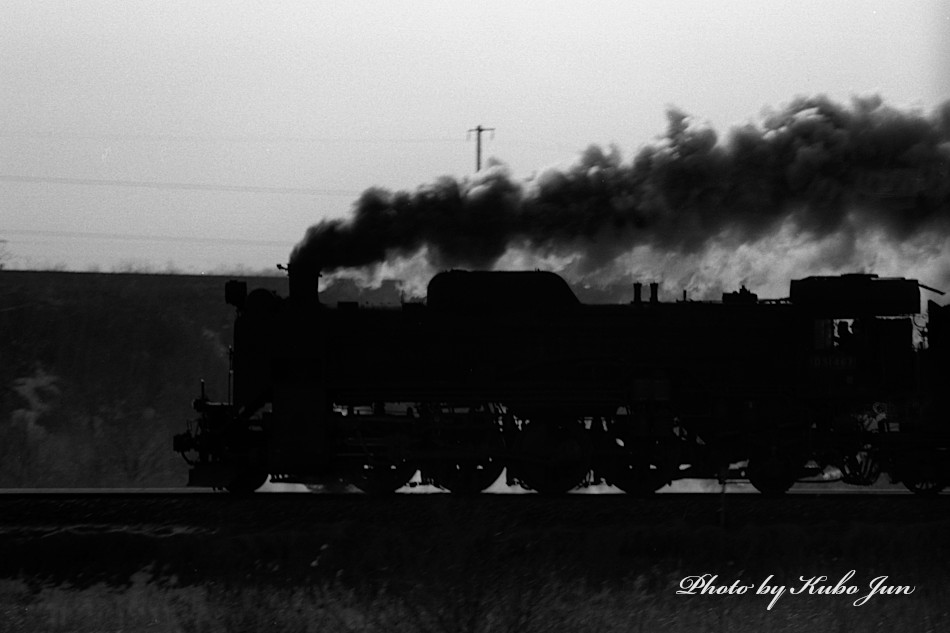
{"points": [[508, 372]]}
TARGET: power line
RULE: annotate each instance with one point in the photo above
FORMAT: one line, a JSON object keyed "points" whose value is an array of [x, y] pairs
{"points": [[191, 138], [182, 186], [265, 140], [130, 237]]}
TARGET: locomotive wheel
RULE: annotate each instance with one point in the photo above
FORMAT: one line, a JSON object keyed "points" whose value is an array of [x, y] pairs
{"points": [[924, 487], [641, 469], [773, 470], [246, 481], [857, 457], [770, 477], [467, 477], [921, 473], [478, 468], [860, 469], [382, 470], [381, 477], [552, 458], [776, 461]]}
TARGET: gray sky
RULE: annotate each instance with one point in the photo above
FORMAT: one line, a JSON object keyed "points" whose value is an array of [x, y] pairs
{"points": [[209, 135]]}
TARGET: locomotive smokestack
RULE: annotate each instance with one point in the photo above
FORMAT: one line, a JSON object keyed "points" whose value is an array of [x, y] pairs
{"points": [[637, 292], [654, 292], [303, 284]]}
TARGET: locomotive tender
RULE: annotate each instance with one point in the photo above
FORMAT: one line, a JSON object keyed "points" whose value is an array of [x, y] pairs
{"points": [[510, 372]]}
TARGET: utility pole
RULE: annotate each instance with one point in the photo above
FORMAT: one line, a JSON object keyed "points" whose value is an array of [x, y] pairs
{"points": [[478, 143]]}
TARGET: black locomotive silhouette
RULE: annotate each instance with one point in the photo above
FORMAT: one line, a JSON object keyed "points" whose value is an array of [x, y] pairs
{"points": [[508, 372]]}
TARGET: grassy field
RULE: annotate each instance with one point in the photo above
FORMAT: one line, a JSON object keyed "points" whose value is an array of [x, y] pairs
{"points": [[530, 604], [465, 573]]}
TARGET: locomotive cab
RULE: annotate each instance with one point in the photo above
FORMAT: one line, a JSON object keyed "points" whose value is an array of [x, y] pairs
{"points": [[861, 332]]}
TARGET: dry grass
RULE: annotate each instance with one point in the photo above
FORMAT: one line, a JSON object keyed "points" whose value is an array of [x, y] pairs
{"points": [[523, 604], [361, 578]]}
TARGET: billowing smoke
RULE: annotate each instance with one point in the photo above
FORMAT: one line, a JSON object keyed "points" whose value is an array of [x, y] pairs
{"points": [[815, 181]]}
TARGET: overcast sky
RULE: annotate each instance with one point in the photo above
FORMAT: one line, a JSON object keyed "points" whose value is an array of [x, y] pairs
{"points": [[210, 135]]}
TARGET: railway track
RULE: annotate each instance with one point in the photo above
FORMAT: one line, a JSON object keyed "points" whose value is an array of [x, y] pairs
{"points": [[407, 512]]}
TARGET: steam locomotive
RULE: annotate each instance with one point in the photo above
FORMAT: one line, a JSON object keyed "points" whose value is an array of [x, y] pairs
{"points": [[508, 372]]}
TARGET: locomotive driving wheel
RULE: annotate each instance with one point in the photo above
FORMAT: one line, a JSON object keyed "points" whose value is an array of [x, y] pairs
{"points": [[860, 467], [779, 447], [383, 467], [856, 455], [553, 456], [774, 466], [473, 445], [639, 466], [924, 486], [467, 475], [246, 481], [922, 472]]}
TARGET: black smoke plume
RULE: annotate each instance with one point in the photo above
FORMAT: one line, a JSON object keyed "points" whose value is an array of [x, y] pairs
{"points": [[826, 167]]}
